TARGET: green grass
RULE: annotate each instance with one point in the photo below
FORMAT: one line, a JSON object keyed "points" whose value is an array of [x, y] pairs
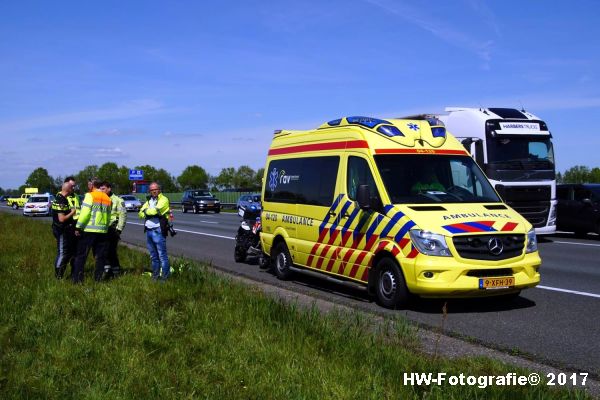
{"points": [[198, 336]]}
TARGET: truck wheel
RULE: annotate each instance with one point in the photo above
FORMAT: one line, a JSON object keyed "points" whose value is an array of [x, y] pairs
{"points": [[196, 210], [15, 206], [390, 287], [183, 209], [218, 210], [282, 261], [598, 227]]}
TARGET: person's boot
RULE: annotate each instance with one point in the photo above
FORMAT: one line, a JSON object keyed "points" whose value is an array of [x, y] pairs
{"points": [[107, 273]]}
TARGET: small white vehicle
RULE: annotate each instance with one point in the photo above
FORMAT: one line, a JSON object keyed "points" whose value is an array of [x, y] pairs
{"points": [[39, 204], [132, 203]]}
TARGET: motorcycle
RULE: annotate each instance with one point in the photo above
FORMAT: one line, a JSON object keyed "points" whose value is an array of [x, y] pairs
{"points": [[247, 240]]}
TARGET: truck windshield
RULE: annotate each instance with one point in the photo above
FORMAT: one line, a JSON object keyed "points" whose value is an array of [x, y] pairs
{"points": [[419, 178], [520, 152]]}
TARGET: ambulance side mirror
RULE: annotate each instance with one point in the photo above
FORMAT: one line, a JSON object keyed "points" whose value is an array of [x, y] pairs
{"points": [[363, 197], [501, 191]]}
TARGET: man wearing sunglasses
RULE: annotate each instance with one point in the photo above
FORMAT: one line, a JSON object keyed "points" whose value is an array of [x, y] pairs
{"points": [[156, 211]]}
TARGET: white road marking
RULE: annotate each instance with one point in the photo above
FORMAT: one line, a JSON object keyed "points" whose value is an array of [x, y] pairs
{"points": [[193, 232], [569, 291], [577, 244]]}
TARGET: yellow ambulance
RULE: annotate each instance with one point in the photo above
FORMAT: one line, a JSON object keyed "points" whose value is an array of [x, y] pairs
{"points": [[397, 205]]}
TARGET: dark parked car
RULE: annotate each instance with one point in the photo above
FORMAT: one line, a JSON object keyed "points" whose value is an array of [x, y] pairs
{"points": [[578, 208], [199, 200]]}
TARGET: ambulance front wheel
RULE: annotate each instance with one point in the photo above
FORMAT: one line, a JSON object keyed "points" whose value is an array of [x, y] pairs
{"points": [[282, 261], [390, 287]]}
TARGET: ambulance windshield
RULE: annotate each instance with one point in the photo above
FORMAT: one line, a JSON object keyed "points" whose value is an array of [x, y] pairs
{"points": [[426, 178]]}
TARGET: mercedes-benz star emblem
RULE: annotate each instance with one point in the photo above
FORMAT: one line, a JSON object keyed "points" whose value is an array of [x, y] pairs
{"points": [[495, 245]]}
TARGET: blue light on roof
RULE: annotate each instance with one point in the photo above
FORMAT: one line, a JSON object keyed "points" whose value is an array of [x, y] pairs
{"points": [[389, 130], [438, 131], [366, 121], [335, 122]]}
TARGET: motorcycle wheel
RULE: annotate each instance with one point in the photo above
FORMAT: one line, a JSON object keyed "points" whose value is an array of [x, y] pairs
{"points": [[239, 254]]}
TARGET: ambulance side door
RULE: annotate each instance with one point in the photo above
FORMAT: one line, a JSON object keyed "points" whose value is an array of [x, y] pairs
{"points": [[358, 227], [316, 210]]}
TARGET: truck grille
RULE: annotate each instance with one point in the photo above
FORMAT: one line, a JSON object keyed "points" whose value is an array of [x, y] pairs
{"points": [[477, 246], [532, 202]]}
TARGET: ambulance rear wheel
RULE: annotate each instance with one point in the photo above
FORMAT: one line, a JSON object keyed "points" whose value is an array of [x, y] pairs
{"points": [[390, 287], [15, 206], [282, 261]]}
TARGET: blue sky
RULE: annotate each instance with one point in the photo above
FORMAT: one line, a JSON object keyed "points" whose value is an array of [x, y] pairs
{"points": [[178, 83]]}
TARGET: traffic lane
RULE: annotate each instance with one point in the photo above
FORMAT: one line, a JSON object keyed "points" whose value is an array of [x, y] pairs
{"points": [[571, 264], [221, 223], [549, 325]]}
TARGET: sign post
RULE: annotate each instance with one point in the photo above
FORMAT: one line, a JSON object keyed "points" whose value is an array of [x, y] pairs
{"points": [[136, 175]]}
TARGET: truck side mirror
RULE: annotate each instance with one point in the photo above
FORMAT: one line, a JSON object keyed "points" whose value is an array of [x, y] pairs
{"points": [[467, 144], [363, 197]]}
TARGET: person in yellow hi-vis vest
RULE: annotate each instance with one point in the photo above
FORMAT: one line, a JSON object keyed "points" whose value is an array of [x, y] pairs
{"points": [[92, 227], [156, 211], [118, 218], [74, 203]]}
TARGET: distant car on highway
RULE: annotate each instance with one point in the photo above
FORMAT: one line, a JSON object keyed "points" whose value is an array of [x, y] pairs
{"points": [[38, 204], [132, 203], [578, 208], [249, 201], [199, 200]]}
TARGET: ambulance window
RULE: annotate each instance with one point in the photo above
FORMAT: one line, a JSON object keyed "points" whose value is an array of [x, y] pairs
{"points": [[302, 180], [318, 180], [283, 181], [359, 173]]}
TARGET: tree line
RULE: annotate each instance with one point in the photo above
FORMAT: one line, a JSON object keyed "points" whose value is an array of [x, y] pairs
{"points": [[242, 178], [579, 174]]}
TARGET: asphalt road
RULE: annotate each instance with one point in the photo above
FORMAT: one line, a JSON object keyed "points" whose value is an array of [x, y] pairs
{"points": [[558, 322]]}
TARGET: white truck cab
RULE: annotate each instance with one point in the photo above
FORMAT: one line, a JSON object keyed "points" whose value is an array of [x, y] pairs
{"points": [[514, 149]]}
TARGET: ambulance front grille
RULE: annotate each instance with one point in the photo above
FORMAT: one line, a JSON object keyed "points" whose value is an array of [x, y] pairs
{"points": [[477, 247]]}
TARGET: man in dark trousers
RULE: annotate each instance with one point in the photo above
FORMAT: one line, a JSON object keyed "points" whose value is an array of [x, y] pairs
{"points": [[92, 228], [118, 217], [63, 228]]}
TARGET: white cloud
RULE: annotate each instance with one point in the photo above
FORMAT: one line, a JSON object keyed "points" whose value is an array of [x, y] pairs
{"points": [[438, 28], [123, 111]]}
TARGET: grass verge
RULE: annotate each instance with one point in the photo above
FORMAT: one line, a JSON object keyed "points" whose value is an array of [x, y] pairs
{"points": [[198, 336]]}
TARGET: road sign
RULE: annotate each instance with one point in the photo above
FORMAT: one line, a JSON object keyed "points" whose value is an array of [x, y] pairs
{"points": [[136, 175]]}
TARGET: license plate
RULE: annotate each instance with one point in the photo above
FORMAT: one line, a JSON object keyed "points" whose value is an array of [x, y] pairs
{"points": [[497, 283]]}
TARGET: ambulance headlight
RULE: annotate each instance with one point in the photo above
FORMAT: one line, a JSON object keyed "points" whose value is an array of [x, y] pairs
{"points": [[531, 242], [429, 243]]}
